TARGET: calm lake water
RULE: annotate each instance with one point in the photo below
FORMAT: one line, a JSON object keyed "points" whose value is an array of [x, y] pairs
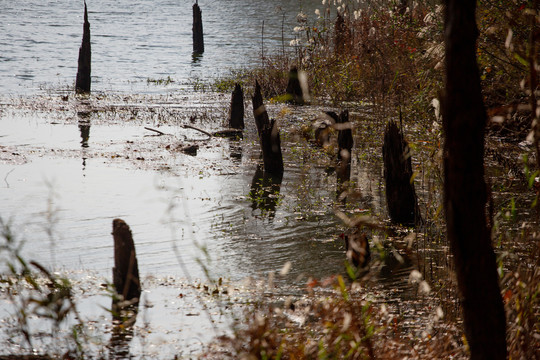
{"points": [[133, 41]]}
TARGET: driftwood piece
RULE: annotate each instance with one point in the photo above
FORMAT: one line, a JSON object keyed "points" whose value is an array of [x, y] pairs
{"points": [[83, 81], [198, 40], [295, 95], [236, 114], [126, 270], [268, 135], [400, 194]]}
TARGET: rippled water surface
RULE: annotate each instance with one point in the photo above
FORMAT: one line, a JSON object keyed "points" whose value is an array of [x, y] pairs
{"points": [[133, 41]]}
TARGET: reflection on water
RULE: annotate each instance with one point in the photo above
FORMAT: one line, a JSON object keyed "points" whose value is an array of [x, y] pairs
{"points": [[123, 323], [265, 190]]}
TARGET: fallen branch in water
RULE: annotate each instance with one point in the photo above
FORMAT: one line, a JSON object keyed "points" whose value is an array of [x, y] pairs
{"points": [[185, 126], [157, 131]]}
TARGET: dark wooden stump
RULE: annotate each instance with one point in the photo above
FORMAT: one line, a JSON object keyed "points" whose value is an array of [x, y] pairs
{"points": [[345, 138], [83, 81], [271, 148], [126, 270], [295, 95], [198, 40], [236, 114], [259, 111], [400, 194], [268, 135]]}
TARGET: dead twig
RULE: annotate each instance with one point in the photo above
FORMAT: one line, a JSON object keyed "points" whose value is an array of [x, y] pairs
{"points": [[185, 126], [157, 131]]}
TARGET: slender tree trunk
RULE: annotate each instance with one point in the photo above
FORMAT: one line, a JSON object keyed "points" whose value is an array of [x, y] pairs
{"points": [[464, 120]]}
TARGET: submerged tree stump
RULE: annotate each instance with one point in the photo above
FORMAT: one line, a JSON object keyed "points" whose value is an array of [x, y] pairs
{"points": [[295, 94], [268, 135], [400, 194], [236, 114], [126, 269], [198, 40], [83, 81]]}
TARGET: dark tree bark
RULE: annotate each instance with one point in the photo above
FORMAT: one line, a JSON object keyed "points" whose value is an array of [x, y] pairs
{"points": [[83, 81], [126, 270], [236, 115], [259, 111], [268, 135], [198, 40], [294, 89], [400, 195], [464, 119]]}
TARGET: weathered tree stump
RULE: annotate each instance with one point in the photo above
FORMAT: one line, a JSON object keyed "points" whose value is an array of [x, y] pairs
{"points": [[268, 135], [236, 114], [259, 111], [198, 40], [83, 81], [400, 194], [295, 94], [126, 269]]}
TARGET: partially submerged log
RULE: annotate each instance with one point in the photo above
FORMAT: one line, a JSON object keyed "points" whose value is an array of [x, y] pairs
{"points": [[198, 40], [236, 114], [400, 194], [268, 135], [295, 94], [83, 81], [126, 270]]}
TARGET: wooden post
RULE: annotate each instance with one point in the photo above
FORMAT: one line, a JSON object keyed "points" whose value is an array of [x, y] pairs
{"points": [[400, 194], [236, 114], [295, 95], [83, 81], [126, 270], [198, 40], [268, 135]]}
